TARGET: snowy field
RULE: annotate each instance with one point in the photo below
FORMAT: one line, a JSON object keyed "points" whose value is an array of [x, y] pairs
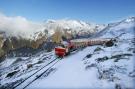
{"points": [[77, 71]]}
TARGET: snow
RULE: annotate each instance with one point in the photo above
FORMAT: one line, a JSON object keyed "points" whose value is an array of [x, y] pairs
{"points": [[127, 29], [73, 25], [34, 77], [24, 71], [9, 61], [70, 72], [71, 66]]}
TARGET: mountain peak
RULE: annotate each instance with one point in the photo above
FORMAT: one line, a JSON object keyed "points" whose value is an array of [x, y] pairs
{"points": [[130, 19]]}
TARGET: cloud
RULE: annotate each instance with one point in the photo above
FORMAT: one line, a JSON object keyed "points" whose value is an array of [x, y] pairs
{"points": [[18, 26]]}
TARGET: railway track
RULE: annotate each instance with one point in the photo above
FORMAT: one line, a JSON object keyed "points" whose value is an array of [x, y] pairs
{"points": [[29, 80]]}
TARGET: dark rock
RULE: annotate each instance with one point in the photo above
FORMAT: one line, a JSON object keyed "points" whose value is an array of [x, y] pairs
{"points": [[109, 43], [107, 74], [10, 85], [39, 62], [120, 69], [118, 86], [2, 58], [89, 66], [120, 56], [132, 74], [130, 49], [102, 59], [29, 66], [12, 73], [98, 49], [89, 55], [134, 51]]}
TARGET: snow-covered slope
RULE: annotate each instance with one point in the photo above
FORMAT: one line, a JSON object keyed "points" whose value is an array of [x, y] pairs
{"points": [[126, 26]]}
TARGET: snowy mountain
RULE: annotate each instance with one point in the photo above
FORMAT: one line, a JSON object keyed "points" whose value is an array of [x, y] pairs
{"points": [[18, 32], [21, 27], [76, 26], [70, 29], [95, 66], [125, 26]]}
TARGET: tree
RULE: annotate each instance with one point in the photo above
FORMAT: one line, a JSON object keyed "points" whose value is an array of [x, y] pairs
{"points": [[57, 36]]}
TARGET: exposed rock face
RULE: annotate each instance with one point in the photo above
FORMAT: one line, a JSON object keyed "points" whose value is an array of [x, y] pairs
{"points": [[11, 43], [1, 45]]}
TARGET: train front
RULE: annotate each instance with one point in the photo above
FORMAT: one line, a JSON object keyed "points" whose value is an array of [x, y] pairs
{"points": [[62, 49]]}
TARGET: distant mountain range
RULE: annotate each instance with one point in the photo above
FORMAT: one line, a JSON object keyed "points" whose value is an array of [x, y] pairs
{"points": [[58, 30]]}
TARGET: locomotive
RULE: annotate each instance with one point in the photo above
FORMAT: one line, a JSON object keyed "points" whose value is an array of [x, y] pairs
{"points": [[66, 47]]}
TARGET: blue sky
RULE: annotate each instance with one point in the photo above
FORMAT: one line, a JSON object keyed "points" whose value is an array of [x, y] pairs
{"points": [[98, 11]]}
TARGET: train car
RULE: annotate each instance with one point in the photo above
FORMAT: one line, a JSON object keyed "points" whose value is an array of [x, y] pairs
{"points": [[66, 47], [59, 51], [78, 43], [63, 49], [100, 41]]}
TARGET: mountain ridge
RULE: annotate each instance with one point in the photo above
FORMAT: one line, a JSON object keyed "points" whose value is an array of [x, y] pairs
{"points": [[68, 29]]}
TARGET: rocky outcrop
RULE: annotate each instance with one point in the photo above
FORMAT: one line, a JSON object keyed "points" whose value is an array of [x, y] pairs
{"points": [[12, 43], [1, 45]]}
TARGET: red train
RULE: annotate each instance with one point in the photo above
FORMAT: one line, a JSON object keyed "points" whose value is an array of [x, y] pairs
{"points": [[66, 47]]}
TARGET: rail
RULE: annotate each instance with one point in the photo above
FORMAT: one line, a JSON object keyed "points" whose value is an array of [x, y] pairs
{"points": [[15, 87]]}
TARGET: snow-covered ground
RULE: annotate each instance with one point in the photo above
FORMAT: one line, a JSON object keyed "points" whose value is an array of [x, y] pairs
{"points": [[19, 68], [77, 71], [70, 72]]}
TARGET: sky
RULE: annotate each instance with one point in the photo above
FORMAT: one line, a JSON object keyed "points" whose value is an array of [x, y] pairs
{"points": [[98, 11]]}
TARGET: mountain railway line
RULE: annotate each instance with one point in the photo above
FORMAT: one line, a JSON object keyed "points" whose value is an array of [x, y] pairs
{"points": [[22, 84], [68, 46], [60, 52]]}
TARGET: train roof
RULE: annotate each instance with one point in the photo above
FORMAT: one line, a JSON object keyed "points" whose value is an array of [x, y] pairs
{"points": [[89, 39], [65, 43]]}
